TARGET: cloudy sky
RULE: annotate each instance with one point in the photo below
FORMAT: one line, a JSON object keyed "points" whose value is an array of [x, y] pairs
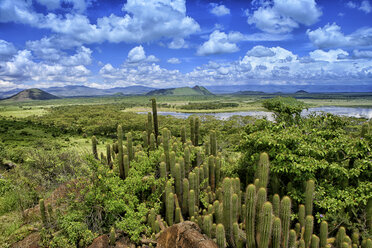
{"points": [[165, 43]]}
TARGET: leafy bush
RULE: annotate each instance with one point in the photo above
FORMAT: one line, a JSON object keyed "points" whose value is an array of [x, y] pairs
{"points": [[319, 148]]}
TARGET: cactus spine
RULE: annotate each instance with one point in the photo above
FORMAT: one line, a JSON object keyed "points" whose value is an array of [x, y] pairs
{"points": [[285, 216], [309, 224], [121, 152], [277, 232], [220, 235], [263, 169], [309, 197], [250, 215], [265, 226], [155, 119], [94, 147], [323, 236]]}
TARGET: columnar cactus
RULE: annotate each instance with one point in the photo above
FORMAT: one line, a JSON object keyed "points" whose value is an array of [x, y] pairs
{"points": [[261, 199], [108, 154], [355, 237], [192, 204], [213, 144], [43, 213], [235, 207], [265, 225], [94, 147], [220, 235], [152, 219], [369, 215], [263, 169], [170, 209], [183, 134], [126, 166], [155, 119], [309, 197], [149, 126], [217, 170], [178, 180], [309, 225], [323, 236], [177, 215], [250, 202], [192, 130], [277, 233], [237, 240], [120, 152], [285, 216], [340, 236], [276, 205], [145, 140], [196, 135], [227, 210], [292, 239], [172, 163], [112, 236], [187, 160], [130, 146], [185, 195], [314, 241], [208, 222], [301, 215]]}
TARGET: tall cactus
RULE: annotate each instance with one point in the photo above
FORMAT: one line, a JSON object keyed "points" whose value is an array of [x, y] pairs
{"points": [[265, 225], [43, 213], [178, 180], [196, 135], [126, 165], [340, 236], [213, 144], [121, 152], [220, 235], [235, 207], [130, 146], [155, 119], [212, 174], [277, 233], [208, 222], [309, 197], [145, 140], [285, 216], [314, 241], [152, 142], [227, 210], [309, 225], [276, 205], [187, 160], [261, 199], [108, 154], [192, 130], [149, 126], [94, 147], [185, 195], [301, 215], [170, 209], [192, 203], [183, 134], [323, 236], [292, 239], [263, 169]]}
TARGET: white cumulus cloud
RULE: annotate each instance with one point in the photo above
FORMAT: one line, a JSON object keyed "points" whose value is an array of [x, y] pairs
{"points": [[364, 6], [331, 36], [137, 55], [282, 16], [219, 10], [219, 42], [174, 61]]}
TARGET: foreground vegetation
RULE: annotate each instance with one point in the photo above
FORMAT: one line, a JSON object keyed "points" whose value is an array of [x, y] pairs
{"points": [[299, 182]]}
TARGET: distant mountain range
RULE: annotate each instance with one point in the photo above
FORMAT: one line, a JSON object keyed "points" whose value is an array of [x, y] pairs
{"points": [[81, 91], [182, 91], [29, 95]]}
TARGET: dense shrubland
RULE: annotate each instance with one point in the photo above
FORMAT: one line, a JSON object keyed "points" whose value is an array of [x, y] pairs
{"points": [[298, 182]]}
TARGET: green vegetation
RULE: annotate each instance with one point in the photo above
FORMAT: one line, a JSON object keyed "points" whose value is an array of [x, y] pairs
{"points": [[296, 182]]}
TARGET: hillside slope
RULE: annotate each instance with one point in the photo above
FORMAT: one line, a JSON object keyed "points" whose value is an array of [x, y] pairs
{"points": [[182, 91], [31, 94]]}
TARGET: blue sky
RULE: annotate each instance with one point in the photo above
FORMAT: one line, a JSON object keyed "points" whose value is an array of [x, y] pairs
{"points": [[167, 43]]}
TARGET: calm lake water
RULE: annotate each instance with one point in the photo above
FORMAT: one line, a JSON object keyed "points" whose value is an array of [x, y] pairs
{"points": [[342, 111]]}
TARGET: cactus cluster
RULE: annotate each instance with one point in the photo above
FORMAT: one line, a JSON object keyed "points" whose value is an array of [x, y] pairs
{"points": [[196, 189]]}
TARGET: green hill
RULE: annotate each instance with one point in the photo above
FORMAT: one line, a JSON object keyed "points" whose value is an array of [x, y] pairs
{"points": [[31, 94], [182, 91]]}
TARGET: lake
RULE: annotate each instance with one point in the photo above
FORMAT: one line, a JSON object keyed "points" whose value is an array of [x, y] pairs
{"points": [[342, 111]]}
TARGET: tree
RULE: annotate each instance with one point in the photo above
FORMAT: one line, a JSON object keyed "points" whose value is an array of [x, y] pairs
{"points": [[286, 109]]}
